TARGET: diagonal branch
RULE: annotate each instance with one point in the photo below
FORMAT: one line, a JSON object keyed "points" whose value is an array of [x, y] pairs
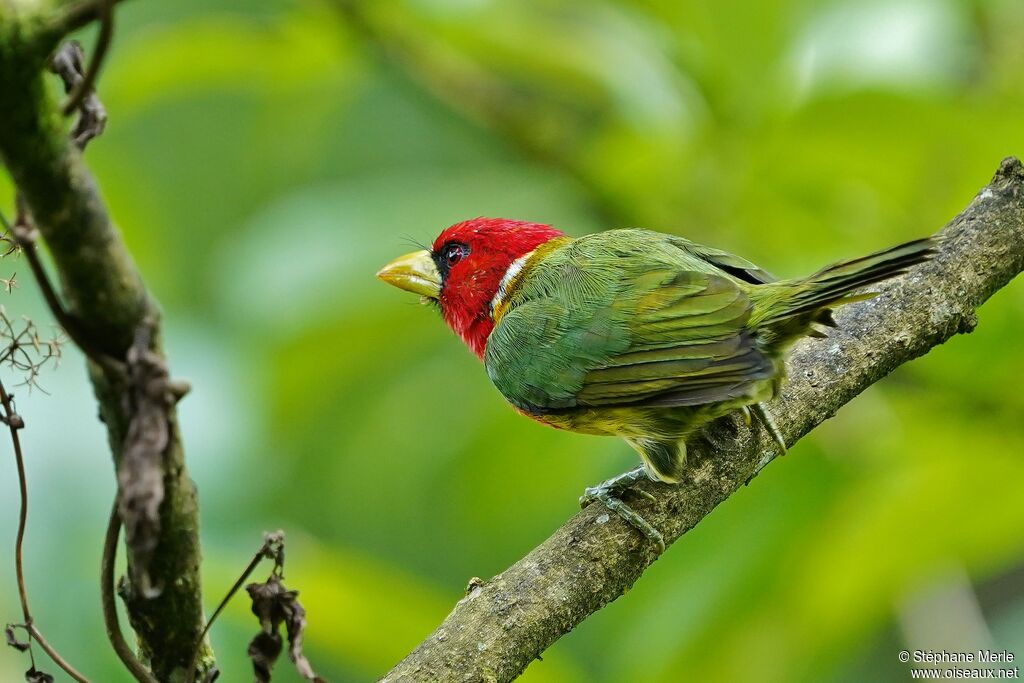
{"points": [[72, 15], [504, 624], [544, 129]]}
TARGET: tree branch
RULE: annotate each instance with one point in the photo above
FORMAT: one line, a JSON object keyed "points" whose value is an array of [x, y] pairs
{"points": [[74, 14], [104, 293], [543, 129], [504, 624]]}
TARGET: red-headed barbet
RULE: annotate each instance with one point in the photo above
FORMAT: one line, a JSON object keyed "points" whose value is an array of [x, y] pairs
{"points": [[629, 333]]}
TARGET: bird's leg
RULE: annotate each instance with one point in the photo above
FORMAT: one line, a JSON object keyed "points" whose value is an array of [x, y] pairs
{"points": [[608, 494], [626, 479], [766, 419]]}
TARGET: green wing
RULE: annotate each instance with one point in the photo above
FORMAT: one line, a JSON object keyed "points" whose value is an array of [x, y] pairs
{"points": [[739, 268], [610, 324]]}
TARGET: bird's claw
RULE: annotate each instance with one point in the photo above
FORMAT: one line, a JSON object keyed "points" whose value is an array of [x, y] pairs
{"points": [[592, 493], [769, 424], [608, 494], [614, 486]]}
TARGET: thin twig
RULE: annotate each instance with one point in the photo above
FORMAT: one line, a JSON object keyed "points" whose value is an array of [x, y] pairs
{"points": [[24, 235], [55, 656], [266, 551], [76, 96], [15, 423], [76, 16], [110, 619]]}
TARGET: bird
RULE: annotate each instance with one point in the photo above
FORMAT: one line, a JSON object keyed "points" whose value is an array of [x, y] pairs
{"points": [[632, 333]]}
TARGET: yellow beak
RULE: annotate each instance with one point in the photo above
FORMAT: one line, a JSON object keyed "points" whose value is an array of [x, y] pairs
{"points": [[414, 273]]}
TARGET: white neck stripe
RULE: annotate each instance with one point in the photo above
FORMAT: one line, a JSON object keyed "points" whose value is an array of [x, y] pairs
{"points": [[514, 269]]}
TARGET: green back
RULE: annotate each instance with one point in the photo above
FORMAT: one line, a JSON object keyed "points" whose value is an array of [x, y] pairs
{"points": [[628, 317]]}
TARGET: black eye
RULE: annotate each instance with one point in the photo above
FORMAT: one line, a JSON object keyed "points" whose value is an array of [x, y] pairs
{"points": [[455, 252]]}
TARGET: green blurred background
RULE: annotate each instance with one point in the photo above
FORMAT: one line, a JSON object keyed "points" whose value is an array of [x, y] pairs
{"points": [[263, 158]]}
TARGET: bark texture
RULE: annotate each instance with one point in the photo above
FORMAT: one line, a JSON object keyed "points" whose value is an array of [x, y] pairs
{"points": [[504, 624], [104, 294]]}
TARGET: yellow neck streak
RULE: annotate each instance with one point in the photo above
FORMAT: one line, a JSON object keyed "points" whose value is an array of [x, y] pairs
{"points": [[516, 274]]}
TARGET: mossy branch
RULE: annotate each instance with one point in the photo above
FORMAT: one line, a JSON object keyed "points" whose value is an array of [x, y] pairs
{"points": [[105, 297], [502, 625]]}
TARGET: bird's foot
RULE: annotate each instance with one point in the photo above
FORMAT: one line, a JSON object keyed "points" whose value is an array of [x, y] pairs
{"points": [[609, 493], [765, 417]]}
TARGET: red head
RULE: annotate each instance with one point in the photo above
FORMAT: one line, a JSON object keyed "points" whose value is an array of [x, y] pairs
{"points": [[472, 258], [469, 259]]}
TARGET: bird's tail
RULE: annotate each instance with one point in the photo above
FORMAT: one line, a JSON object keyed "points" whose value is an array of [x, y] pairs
{"points": [[789, 310]]}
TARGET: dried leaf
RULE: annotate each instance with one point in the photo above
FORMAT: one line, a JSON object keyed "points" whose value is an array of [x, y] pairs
{"points": [[264, 651], [140, 474], [33, 676], [12, 640], [274, 605], [68, 63]]}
